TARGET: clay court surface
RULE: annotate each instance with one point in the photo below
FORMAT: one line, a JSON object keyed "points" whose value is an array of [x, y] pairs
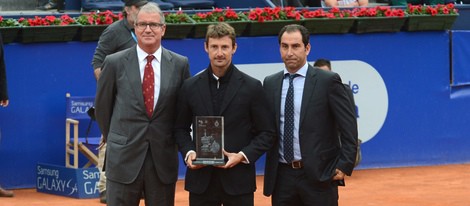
{"points": [[447, 185]]}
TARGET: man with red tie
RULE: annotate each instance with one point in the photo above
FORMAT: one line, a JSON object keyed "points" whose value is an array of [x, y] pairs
{"points": [[135, 109], [116, 37]]}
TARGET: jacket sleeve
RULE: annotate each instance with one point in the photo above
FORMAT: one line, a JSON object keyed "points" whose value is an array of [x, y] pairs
{"points": [[105, 94]]}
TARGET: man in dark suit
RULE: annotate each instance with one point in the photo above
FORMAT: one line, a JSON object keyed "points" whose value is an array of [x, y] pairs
{"points": [[135, 109], [223, 90], [309, 161], [116, 37], [3, 78], [3, 101], [325, 64]]}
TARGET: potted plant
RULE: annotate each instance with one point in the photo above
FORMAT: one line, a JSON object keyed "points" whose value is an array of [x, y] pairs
{"points": [[237, 20], [332, 21], [9, 29], [378, 19], [99, 18], [430, 17], [94, 23], [268, 21], [178, 25], [48, 28]]}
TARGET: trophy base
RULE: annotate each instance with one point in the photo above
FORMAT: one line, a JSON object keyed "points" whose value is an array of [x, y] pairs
{"points": [[209, 162]]}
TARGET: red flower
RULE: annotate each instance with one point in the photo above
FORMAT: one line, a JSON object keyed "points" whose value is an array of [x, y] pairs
{"points": [[93, 18], [252, 16], [108, 20], [273, 14], [379, 11], [219, 14], [433, 11], [398, 12], [448, 9], [46, 21]]}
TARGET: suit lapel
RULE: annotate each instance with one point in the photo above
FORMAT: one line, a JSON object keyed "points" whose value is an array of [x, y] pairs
{"points": [[234, 84], [310, 81], [131, 65], [204, 91], [166, 68], [277, 90]]}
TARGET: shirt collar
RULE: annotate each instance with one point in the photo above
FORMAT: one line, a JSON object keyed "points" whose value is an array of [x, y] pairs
{"points": [[302, 71], [225, 78], [142, 55]]}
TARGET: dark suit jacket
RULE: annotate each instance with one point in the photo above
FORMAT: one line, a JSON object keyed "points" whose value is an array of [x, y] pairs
{"points": [[325, 110], [351, 98], [122, 117], [116, 37], [3, 74], [248, 128]]}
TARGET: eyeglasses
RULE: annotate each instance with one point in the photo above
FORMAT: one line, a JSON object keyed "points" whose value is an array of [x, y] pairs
{"points": [[151, 25]]}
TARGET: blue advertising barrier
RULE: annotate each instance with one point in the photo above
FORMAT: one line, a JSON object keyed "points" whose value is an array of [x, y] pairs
{"points": [[69, 182], [408, 115]]}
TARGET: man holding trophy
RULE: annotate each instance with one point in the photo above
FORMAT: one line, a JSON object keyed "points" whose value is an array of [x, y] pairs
{"points": [[232, 127]]}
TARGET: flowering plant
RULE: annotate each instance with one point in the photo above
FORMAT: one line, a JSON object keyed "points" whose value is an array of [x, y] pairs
{"points": [[334, 12], [47, 21], [272, 14], [431, 10], [219, 15], [379, 11], [98, 18], [177, 18], [8, 22]]}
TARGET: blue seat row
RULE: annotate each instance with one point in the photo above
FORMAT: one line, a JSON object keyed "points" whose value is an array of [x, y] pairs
{"points": [[116, 5]]}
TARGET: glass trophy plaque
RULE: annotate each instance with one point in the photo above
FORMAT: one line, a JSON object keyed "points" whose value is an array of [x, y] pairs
{"points": [[209, 138]]}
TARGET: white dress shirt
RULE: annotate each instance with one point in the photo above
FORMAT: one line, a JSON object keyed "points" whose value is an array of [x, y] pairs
{"points": [[298, 83], [156, 64]]}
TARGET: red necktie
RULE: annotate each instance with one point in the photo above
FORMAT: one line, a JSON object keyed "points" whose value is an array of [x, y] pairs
{"points": [[148, 85]]}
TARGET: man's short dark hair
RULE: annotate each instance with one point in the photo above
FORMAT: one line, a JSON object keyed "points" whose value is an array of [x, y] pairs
{"points": [[137, 3], [322, 62], [129, 3], [220, 30], [296, 27]]}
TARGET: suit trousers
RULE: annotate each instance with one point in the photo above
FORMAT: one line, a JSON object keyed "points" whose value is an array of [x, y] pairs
{"points": [[156, 193], [216, 196], [293, 188], [101, 154]]}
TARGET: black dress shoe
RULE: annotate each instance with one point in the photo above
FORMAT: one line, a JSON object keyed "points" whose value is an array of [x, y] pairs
{"points": [[6, 193], [48, 6]]}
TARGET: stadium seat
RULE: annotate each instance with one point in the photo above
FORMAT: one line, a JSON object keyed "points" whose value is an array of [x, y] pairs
{"points": [[243, 3], [113, 5], [76, 112], [192, 4], [164, 5]]}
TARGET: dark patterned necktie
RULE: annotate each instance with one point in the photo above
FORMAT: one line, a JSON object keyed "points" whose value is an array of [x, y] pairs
{"points": [[148, 86], [289, 121]]}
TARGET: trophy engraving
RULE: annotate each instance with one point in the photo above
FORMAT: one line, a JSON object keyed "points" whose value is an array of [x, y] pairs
{"points": [[209, 138]]}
